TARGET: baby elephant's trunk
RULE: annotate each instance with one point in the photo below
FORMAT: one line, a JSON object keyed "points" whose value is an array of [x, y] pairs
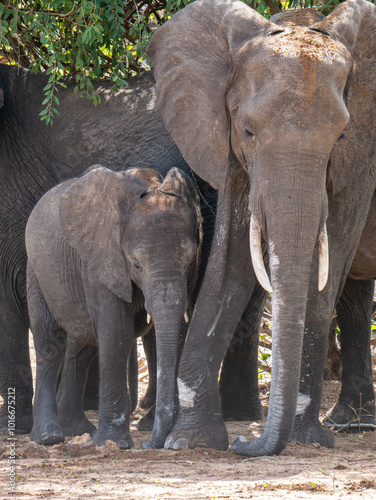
{"points": [[167, 308]]}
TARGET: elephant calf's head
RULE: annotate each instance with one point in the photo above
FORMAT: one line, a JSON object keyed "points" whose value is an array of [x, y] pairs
{"points": [[162, 239], [135, 226]]}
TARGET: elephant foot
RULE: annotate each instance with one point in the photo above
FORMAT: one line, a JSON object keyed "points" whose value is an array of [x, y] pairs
{"points": [[148, 400], [48, 433], [76, 427], [347, 416], [312, 432], [241, 409], [146, 445], [120, 436], [22, 424], [146, 423], [207, 431]]}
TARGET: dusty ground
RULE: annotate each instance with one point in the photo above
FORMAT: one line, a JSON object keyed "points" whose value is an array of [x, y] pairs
{"points": [[348, 470]]}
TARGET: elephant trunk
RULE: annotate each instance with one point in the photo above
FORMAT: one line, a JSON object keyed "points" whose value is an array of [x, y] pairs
{"points": [[293, 222], [167, 307]]}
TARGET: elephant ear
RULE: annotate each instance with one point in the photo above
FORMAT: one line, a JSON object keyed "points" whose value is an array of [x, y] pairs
{"points": [[191, 57], [179, 184], [353, 23], [91, 213], [148, 176]]}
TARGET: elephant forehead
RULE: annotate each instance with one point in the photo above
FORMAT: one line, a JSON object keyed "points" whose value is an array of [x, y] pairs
{"points": [[297, 63], [164, 216], [301, 43]]}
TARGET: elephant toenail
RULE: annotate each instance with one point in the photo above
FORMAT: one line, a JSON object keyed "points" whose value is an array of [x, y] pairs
{"points": [[202, 445], [181, 444]]}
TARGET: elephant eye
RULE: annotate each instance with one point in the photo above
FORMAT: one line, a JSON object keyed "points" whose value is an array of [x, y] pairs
{"points": [[136, 264], [249, 133]]}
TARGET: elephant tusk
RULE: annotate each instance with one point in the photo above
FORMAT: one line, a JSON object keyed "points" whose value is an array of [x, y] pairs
{"points": [[256, 254], [148, 319], [186, 319], [323, 258]]}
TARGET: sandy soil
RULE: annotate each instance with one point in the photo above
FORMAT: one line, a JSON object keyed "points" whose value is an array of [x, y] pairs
{"points": [[66, 472]]}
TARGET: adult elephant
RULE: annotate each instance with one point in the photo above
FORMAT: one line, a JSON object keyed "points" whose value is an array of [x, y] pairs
{"points": [[280, 120], [355, 408], [124, 131]]}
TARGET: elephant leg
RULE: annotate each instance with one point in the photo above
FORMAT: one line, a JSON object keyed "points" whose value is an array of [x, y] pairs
{"points": [[226, 290], [114, 404], [355, 408], [115, 336], [146, 423], [238, 384], [149, 344], [50, 345], [133, 376], [15, 370], [77, 361], [345, 227], [91, 398]]}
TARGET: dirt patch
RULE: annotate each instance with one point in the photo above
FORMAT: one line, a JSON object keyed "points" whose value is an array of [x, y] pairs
{"points": [[78, 470]]}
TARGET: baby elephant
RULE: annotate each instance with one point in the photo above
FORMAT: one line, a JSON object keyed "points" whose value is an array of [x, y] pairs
{"points": [[108, 252]]}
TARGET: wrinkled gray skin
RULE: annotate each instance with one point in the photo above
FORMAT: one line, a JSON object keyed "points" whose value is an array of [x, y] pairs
{"points": [[124, 131], [104, 251], [355, 408], [283, 126]]}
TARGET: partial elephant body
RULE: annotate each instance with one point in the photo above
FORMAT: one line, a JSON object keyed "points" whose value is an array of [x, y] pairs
{"points": [[105, 251], [124, 131], [286, 133], [355, 408]]}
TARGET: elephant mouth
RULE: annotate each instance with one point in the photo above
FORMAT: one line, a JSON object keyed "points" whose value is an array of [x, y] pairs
{"points": [[255, 238]]}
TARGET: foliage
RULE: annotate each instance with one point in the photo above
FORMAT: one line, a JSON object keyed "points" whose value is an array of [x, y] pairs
{"points": [[93, 38], [87, 39]]}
